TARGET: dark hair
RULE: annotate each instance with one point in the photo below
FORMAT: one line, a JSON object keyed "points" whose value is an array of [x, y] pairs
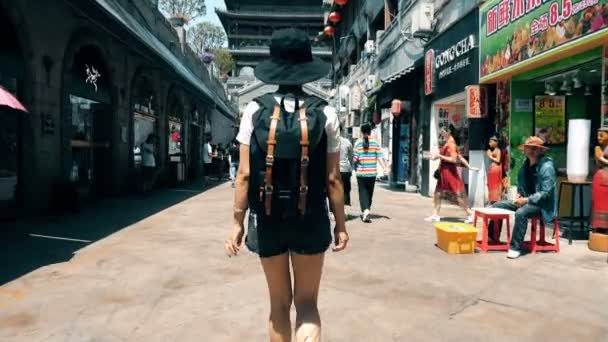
{"points": [[149, 138], [366, 129]]}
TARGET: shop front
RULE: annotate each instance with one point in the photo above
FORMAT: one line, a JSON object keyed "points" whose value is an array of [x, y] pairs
{"points": [[451, 67], [12, 70], [87, 124], [548, 64]]}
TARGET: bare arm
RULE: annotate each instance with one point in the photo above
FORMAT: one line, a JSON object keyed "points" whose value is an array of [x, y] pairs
{"points": [[335, 190], [242, 186], [599, 156], [493, 158]]}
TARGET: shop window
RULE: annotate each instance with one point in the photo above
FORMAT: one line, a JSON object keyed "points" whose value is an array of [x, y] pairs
{"points": [[82, 139]]}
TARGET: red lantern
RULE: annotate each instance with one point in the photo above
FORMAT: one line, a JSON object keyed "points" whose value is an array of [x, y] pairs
{"points": [[396, 107], [334, 17], [341, 2], [329, 31]]}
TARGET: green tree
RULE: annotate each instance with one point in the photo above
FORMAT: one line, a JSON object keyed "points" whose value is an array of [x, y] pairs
{"points": [[205, 37], [187, 9], [224, 61]]}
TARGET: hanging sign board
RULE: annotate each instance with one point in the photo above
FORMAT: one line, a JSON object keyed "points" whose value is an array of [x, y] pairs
{"points": [[512, 31], [476, 101], [428, 71]]}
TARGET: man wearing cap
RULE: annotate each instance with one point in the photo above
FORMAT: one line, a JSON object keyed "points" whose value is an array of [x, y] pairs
{"points": [[535, 193]]}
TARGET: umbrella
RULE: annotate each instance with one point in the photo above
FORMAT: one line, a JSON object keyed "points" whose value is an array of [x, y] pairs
{"points": [[8, 100]]}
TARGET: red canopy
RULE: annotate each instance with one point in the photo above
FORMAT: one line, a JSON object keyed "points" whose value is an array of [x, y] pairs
{"points": [[8, 100]]}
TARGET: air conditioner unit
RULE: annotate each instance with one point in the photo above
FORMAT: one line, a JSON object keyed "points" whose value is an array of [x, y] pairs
{"points": [[422, 20], [370, 47]]}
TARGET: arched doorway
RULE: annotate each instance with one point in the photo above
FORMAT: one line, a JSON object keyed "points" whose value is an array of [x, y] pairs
{"points": [[144, 102], [12, 75], [87, 122], [195, 144], [176, 125]]}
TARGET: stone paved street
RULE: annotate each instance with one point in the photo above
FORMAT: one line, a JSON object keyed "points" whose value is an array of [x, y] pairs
{"points": [[155, 271]]}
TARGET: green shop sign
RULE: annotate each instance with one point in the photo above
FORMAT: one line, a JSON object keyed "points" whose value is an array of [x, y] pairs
{"points": [[512, 31]]}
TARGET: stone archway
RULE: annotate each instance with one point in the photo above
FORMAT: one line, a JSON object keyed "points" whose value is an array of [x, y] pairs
{"points": [[87, 120]]}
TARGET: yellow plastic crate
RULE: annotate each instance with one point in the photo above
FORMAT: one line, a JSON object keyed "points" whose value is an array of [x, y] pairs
{"points": [[456, 238]]}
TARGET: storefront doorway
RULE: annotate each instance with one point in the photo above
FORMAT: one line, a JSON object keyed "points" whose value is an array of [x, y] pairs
{"points": [[12, 70], [88, 125], [448, 114], [144, 129], [176, 148]]}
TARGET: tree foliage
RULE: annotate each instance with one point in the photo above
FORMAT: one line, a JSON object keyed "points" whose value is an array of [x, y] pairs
{"points": [[206, 37], [224, 61], [187, 9]]}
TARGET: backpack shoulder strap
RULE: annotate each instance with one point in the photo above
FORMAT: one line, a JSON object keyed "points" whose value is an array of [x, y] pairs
{"points": [[271, 144], [304, 161]]}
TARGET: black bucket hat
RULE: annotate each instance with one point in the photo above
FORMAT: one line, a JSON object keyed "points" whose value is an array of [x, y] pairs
{"points": [[291, 61]]}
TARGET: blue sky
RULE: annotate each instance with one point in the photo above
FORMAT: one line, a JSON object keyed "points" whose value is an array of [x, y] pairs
{"points": [[211, 16]]}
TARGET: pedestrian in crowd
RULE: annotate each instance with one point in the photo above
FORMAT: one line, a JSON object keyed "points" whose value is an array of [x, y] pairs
{"points": [[346, 165], [535, 193], [289, 218], [599, 210], [148, 163], [207, 154], [367, 154], [449, 182], [494, 171], [233, 153]]}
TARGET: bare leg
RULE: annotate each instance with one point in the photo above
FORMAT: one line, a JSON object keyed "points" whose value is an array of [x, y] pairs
{"points": [[307, 271], [436, 203], [278, 278]]}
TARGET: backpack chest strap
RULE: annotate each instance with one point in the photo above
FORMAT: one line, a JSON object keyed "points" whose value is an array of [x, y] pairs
{"points": [[304, 161], [268, 189]]}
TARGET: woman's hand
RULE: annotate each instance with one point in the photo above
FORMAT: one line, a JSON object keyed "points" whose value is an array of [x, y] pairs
{"points": [[599, 154], [341, 239], [235, 240]]}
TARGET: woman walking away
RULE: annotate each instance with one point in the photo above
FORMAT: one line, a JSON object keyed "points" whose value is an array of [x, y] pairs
{"points": [[495, 171], [289, 166], [449, 184], [367, 154], [599, 201], [346, 162]]}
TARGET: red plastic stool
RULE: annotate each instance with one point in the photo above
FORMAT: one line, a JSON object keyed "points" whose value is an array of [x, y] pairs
{"points": [[541, 245], [497, 216]]}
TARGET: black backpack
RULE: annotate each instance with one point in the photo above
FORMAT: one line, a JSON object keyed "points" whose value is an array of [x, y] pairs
{"points": [[288, 173]]}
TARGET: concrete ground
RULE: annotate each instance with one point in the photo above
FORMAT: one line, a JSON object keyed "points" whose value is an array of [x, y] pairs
{"points": [[154, 269]]}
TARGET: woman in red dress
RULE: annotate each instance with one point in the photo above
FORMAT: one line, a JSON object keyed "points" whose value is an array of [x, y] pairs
{"points": [[495, 171], [600, 184], [449, 185]]}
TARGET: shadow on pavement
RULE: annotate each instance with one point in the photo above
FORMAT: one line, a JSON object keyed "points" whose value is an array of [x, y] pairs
{"points": [[27, 245]]}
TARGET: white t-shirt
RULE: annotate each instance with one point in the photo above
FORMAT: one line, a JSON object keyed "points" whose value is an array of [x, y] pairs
{"points": [[207, 150], [332, 124]]}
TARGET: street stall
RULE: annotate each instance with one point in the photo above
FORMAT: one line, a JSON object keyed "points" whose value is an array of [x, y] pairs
{"points": [[547, 62]]}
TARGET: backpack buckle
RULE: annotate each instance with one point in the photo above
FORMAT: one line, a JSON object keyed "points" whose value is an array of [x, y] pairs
{"points": [[305, 161], [303, 189], [269, 160], [268, 189]]}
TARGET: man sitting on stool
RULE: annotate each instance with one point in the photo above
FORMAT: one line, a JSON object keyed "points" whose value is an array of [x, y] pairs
{"points": [[535, 193]]}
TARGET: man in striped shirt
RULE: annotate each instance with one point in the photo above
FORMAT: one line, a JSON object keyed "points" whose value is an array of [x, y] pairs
{"points": [[367, 153]]}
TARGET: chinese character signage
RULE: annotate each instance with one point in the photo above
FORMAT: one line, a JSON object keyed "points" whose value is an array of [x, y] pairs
{"points": [[512, 31], [452, 58], [429, 59], [550, 119], [476, 102]]}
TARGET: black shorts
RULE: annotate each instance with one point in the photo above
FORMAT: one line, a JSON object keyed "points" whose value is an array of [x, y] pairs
{"points": [[306, 235]]}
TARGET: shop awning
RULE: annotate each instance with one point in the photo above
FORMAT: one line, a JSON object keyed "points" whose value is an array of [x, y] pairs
{"points": [[399, 61], [150, 40]]}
